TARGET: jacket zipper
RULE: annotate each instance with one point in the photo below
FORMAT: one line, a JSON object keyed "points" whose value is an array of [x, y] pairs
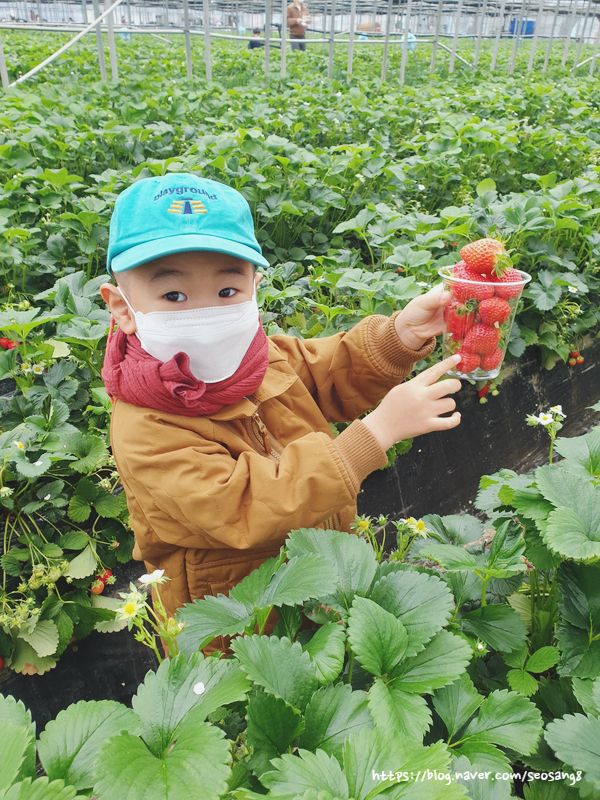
{"points": [[262, 436]]}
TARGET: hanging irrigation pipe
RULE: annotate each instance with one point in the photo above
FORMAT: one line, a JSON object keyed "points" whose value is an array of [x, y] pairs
{"points": [[377, 38]]}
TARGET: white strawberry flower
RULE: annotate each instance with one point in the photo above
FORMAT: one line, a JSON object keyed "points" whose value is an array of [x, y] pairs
{"points": [[130, 609], [416, 526], [557, 410], [199, 688], [545, 419], [572, 289], [154, 578]]}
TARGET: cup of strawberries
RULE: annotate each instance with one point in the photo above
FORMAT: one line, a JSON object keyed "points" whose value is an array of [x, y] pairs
{"points": [[485, 290]]}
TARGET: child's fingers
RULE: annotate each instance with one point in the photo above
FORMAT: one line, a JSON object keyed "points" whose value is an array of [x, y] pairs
{"points": [[445, 423], [444, 405], [435, 298], [447, 386], [433, 374]]}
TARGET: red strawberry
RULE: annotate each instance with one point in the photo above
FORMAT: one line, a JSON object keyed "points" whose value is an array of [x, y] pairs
{"points": [[481, 339], [492, 360], [468, 361], [97, 587], [459, 319], [492, 310], [105, 575], [476, 290], [514, 290], [572, 362], [580, 359], [482, 256]]}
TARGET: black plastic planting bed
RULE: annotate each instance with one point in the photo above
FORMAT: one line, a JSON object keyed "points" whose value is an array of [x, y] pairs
{"points": [[440, 474]]}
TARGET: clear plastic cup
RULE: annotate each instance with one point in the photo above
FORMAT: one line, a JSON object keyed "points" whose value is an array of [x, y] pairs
{"points": [[479, 318]]}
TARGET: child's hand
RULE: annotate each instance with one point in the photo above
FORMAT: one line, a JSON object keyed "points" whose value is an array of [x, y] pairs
{"points": [[422, 318], [413, 407]]}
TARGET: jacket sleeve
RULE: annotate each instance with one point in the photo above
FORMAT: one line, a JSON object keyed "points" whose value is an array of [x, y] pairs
{"points": [[350, 372], [245, 502]]}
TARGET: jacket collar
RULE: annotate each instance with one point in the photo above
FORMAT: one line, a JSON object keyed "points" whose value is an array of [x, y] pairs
{"points": [[274, 383]]}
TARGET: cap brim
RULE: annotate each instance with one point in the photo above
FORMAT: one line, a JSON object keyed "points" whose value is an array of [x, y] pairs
{"points": [[148, 251]]}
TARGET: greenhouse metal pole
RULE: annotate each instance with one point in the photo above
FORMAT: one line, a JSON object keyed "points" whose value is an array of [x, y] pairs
{"points": [[283, 38], [405, 44], [331, 41], [497, 41], [386, 43], [551, 39], [455, 37], [351, 41], [188, 39], [268, 23], [83, 11], [567, 44], [536, 34], [112, 47], [583, 27], [438, 25], [3, 70], [595, 51], [591, 59], [206, 22], [520, 22], [479, 33], [99, 42]]}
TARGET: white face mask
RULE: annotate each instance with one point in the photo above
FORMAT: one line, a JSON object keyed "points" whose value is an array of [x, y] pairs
{"points": [[215, 338]]}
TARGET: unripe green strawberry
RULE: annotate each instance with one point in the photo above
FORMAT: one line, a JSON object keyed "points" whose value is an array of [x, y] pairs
{"points": [[493, 310], [481, 339]]}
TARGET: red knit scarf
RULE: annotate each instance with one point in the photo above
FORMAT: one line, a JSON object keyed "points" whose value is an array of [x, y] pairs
{"points": [[135, 376]]}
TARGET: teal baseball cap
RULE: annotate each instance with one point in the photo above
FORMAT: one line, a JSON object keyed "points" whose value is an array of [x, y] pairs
{"points": [[177, 212]]}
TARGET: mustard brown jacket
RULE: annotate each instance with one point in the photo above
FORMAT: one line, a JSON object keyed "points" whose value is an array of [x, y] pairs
{"points": [[211, 497]]}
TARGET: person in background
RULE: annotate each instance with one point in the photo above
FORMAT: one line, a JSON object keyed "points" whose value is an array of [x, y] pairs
{"points": [[255, 41], [297, 20]]}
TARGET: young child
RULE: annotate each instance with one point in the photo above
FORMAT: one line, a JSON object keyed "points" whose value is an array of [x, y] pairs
{"points": [[255, 41], [222, 435]]}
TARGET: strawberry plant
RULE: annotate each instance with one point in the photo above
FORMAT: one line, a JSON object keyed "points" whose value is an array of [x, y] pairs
{"points": [[63, 519]]}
